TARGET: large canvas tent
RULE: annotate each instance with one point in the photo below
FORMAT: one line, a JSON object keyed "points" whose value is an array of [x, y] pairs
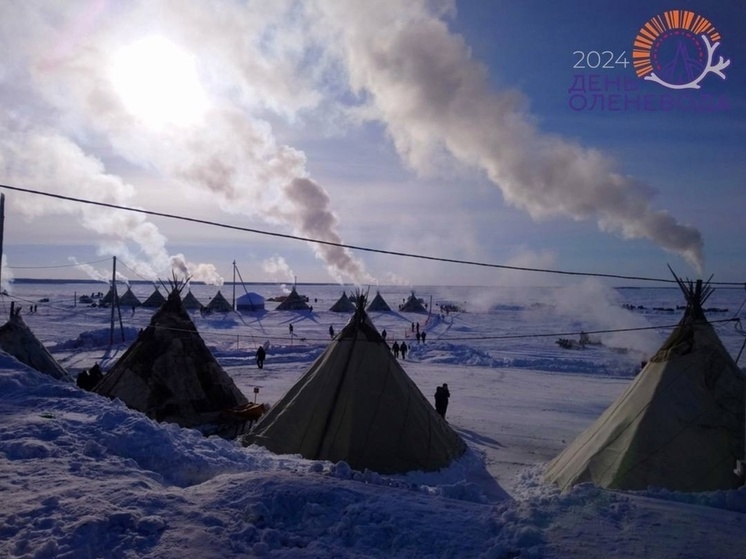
{"points": [[219, 304], [293, 302], [191, 303], [413, 304], [155, 300], [343, 304], [679, 425], [378, 304], [129, 299], [169, 374], [357, 404], [17, 339], [250, 302]]}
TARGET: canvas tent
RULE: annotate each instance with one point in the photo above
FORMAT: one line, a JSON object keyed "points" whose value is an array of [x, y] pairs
{"points": [[378, 304], [190, 302], [293, 302], [155, 300], [343, 304], [17, 339], [250, 302], [356, 403], [169, 374], [219, 304], [129, 299], [679, 425], [413, 304]]}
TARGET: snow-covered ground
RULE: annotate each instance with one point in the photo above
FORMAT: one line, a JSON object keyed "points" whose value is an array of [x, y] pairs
{"points": [[84, 477]]}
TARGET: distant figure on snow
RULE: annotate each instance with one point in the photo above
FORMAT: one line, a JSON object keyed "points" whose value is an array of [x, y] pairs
{"points": [[423, 336], [383, 334], [290, 329], [331, 331], [403, 348], [441, 400], [419, 336], [395, 349], [261, 355]]}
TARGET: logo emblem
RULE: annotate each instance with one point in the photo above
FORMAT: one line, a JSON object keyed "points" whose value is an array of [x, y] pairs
{"points": [[676, 50]]}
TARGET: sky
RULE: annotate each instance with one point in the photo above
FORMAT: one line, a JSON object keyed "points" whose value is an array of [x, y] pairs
{"points": [[504, 132], [84, 476]]}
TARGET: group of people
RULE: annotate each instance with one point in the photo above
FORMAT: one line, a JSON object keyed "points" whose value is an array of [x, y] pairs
{"points": [[398, 348]]}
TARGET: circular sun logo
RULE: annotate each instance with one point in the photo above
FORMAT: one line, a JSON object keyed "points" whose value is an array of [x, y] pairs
{"points": [[676, 48]]}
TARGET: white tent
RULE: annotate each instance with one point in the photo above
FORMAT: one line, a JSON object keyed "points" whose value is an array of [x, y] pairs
{"points": [[357, 404], [250, 302], [679, 425]]}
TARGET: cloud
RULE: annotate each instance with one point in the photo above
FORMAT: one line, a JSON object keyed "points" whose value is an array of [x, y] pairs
{"points": [[420, 80]]}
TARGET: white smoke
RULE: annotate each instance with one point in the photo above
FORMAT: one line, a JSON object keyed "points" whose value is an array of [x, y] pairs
{"points": [[229, 152], [6, 281], [433, 97], [279, 268], [96, 274], [258, 61]]}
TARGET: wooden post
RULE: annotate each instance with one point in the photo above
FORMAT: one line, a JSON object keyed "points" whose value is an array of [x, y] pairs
{"points": [[114, 299], [234, 285], [2, 228]]}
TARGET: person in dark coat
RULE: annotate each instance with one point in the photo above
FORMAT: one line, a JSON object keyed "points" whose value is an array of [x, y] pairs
{"points": [[395, 349], [383, 334], [403, 348], [260, 357], [423, 336], [331, 331], [441, 399]]}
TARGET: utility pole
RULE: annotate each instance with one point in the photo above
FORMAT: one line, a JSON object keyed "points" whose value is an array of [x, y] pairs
{"points": [[114, 299], [234, 285], [2, 229]]}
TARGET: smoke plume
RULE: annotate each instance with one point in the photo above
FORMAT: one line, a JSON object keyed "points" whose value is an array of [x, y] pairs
{"points": [[431, 95]]}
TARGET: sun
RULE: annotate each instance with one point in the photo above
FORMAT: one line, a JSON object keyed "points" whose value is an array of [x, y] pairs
{"points": [[158, 83]]}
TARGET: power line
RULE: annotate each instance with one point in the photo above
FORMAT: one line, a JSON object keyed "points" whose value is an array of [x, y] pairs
{"points": [[344, 245], [59, 265]]}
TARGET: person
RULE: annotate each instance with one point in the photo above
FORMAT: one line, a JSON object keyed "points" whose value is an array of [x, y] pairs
{"points": [[290, 329], [441, 400], [423, 336], [419, 336], [331, 331], [260, 357], [384, 334], [395, 349], [403, 348]]}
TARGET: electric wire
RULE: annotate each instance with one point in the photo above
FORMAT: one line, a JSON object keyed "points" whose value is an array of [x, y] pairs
{"points": [[345, 245]]}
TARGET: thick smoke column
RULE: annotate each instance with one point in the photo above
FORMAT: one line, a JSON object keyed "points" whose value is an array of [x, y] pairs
{"points": [[432, 96]]}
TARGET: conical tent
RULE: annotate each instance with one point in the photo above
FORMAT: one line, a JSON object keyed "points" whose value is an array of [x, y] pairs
{"points": [[190, 302], [679, 425], [250, 302], [17, 339], [107, 299], [378, 304], [129, 299], [219, 304], [293, 302], [155, 300], [413, 304], [357, 404], [169, 374], [343, 304]]}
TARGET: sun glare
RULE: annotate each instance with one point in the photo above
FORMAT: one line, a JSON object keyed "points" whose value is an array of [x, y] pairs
{"points": [[158, 83]]}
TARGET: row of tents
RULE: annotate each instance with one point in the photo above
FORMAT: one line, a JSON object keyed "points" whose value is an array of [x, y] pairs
{"points": [[679, 425], [251, 302]]}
